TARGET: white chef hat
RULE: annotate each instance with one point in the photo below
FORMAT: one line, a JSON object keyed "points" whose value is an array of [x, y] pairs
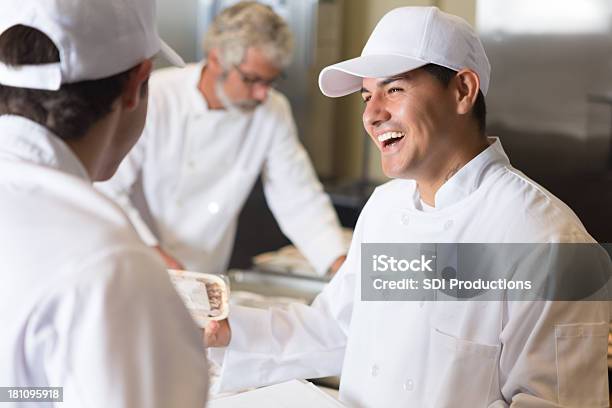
{"points": [[95, 38], [408, 38]]}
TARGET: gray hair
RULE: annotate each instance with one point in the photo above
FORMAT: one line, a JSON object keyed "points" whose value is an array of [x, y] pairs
{"points": [[249, 24]]}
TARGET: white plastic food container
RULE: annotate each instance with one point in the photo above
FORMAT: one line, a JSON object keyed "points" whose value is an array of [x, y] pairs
{"points": [[205, 295]]}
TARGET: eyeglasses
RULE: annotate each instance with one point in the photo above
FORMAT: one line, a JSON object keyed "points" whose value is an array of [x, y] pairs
{"points": [[251, 80]]}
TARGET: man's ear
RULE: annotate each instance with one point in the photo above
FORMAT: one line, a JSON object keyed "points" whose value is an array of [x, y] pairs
{"points": [[133, 91], [467, 86], [213, 61]]}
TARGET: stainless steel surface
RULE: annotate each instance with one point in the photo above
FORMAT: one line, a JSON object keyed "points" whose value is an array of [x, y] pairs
{"points": [[269, 283], [546, 56], [177, 22], [606, 99]]}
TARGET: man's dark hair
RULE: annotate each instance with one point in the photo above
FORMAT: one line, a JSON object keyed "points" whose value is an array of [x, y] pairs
{"points": [[69, 112], [445, 75]]}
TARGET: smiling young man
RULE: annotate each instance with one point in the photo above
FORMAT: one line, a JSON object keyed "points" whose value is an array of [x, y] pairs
{"points": [[412, 118], [423, 75], [214, 128]]}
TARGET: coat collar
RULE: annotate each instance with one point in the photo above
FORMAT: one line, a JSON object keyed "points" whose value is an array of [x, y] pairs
{"points": [[24, 140], [471, 176]]}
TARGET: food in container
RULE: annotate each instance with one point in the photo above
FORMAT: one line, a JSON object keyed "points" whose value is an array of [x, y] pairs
{"points": [[205, 295]]}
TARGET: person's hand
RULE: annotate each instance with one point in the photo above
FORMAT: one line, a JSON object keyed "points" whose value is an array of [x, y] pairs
{"points": [[170, 262], [336, 265], [217, 333]]}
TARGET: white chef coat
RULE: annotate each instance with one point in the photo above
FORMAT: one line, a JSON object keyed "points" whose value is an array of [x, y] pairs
{"points": [[186, 180], [437, 354], [84, 304]]}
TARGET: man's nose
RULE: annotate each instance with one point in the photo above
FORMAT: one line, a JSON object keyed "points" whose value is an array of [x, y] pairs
{"points": [[375, 112], [260, 91]]}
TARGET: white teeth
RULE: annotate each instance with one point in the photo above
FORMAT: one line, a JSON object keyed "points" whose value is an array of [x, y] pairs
{"points": [[390, 135]]}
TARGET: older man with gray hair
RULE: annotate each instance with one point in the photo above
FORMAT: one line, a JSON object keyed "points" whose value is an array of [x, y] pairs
{"points": [[213, 128]]}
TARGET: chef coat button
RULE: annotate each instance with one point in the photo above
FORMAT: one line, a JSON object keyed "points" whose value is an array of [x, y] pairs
{"points": [[213, 208], [409, 385], [179, 203], [448, 224], [405, 219], [449, 273], [191, 164], [375, 370]]}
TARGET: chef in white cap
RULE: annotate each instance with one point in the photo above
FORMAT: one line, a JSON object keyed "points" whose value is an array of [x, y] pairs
{"points": [[214, 128], [84, 305], [423, 76]]}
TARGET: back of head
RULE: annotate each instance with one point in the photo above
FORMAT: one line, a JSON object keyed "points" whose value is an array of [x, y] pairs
{"points": [[249, 24], [68, 112]]}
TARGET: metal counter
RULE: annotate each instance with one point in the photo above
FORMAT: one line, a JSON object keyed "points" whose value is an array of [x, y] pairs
{"points": [[270, 283]]}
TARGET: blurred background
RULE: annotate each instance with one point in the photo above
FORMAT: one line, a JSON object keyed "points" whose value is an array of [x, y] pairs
{"points": [[550, 99]]}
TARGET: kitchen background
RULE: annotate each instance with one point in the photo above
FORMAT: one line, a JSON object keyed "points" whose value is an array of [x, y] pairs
{"points": [[550, 99]]}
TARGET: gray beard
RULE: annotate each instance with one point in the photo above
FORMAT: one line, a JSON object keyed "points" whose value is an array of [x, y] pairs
{"points": [[237, 108]]}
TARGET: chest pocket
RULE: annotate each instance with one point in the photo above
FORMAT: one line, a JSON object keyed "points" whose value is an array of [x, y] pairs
{"points": [[577, 347], [460, 372]]}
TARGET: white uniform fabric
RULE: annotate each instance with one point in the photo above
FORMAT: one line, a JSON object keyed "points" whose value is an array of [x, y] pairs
{"points": [[437, 354], [186, 180], [84, 304]]}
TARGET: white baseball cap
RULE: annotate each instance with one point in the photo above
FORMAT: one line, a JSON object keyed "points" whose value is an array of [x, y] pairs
{"points": [[408, 38], [95, 38]]}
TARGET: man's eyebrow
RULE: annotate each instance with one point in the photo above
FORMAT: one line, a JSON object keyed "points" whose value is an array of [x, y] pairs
{"points": [[387, 81], [398, 77]]}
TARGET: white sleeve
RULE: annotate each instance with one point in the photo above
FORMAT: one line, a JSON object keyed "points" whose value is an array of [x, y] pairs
{"points": [[120, 337], [275, 345], [119, 188], [296, 198]]}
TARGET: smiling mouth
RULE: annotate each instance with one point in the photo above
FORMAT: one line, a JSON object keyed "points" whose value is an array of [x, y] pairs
{"points": [[390, 138]]}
